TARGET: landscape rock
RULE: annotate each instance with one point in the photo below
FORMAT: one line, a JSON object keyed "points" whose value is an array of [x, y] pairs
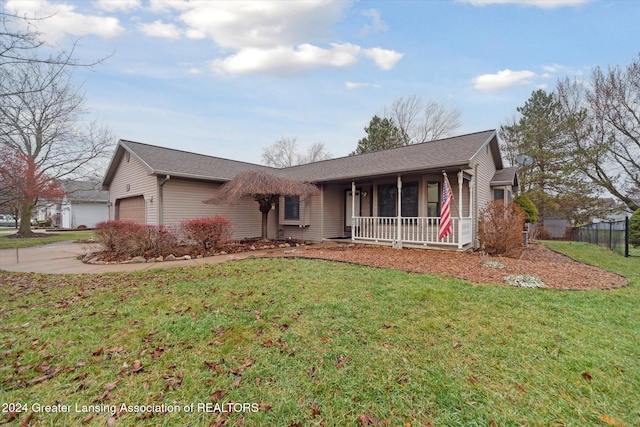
{"points": [[137, 260], [170, 257]]}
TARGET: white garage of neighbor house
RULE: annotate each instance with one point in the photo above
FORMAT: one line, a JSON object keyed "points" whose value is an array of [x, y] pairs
{"points": [[85, 204], [389, 197]]}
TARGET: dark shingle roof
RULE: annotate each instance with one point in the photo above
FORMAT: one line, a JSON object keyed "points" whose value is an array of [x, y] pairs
{"points": [[456, 152], [506, 176], [168, 161], [450, 152], [85, 191]]}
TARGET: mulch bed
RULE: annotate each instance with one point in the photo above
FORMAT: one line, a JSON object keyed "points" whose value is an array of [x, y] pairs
{"points": [[555, 270]]}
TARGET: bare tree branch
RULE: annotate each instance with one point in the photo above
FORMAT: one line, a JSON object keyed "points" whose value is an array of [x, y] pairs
{"points": [[423, 122]]}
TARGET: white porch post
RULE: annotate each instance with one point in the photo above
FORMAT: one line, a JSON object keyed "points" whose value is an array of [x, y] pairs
{"points": [[353, 210], [459, 204], [398, 242]]}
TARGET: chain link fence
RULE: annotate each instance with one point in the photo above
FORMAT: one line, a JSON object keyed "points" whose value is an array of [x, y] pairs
{"points": [[615, 235]]}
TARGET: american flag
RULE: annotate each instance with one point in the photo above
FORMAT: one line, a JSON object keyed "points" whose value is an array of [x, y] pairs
{"points": [[445, 209]]}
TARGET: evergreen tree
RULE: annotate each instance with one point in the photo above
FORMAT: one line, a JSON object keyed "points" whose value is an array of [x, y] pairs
{"points": [[550, 181], [530, 210], [634, 229], [382, 133]]}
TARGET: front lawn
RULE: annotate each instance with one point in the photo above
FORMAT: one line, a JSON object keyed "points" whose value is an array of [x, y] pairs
{"points": [[7, 241], [304, 342]]}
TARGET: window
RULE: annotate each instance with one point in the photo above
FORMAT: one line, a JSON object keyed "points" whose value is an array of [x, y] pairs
{"points": [[433, 199], [387, 200], [498, 194], [410, 199], [292, 207]]}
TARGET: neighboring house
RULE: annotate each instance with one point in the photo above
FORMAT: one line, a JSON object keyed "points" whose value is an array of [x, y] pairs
{"points": [[85, 204], [385, 197]]}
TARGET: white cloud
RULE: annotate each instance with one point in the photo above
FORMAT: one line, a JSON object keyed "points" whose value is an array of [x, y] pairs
{"points": [[274, 37], [384, 58], [62, 19], [377, 24], [359, 85], [502, 80], [544, 4], [287, 60], [259, 24], [114, 5], [160, 29]]}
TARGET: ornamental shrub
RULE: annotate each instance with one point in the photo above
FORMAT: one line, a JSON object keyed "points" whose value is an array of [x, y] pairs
{"points": [[634, 229], [208, 233], [118, 237], [530, 210], [500, 228], [126, 239], [152, 241]]}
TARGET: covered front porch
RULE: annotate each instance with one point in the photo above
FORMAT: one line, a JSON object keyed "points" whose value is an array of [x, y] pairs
{"points": [[407, 213]]}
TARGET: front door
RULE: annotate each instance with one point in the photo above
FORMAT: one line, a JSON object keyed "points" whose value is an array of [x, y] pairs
{"points": [[347, 207]]}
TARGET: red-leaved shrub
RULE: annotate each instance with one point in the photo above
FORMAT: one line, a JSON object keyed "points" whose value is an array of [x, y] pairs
{"points": [[154, 241], [209, 232], [500, 228], [117, 237], [126, 239]]}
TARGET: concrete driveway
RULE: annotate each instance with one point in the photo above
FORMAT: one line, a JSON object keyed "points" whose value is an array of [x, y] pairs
{"points": [[65, 257]]}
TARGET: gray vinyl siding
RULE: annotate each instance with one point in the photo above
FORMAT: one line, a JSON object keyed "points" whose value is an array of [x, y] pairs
{"points": [[183, 199], [484, 170], [333, 211], [312, 211], [326, 215], [134, 174]]}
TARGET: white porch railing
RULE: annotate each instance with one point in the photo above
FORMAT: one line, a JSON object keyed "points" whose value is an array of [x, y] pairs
{"points": [[414, 230]]}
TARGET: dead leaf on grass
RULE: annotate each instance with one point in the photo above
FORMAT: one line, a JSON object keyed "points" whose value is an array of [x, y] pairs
{"points": [[368, 420], [217, 395], [609, 420], [342, 359], [315, 411], [137, 366], [587, 376], [27, 420], [87, 418], [47, 376]]}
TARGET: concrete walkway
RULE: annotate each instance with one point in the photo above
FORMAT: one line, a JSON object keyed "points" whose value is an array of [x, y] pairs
{"points": [[63, 258]]}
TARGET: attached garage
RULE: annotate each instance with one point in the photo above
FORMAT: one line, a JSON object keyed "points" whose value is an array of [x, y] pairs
{"points": [[131, 209]]}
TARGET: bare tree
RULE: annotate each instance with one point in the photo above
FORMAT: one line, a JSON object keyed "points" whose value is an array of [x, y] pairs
{"points": [[284, 153], [423, 122], [42, 119], [21, 43], [315, 153], [265, 189], [605, 131]]}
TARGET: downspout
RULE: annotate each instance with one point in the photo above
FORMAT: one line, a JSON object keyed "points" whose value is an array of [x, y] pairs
{"points": [[161, 200]]}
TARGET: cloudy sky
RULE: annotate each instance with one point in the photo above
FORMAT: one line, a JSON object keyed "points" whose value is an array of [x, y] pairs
{"points": [[227, 78]]}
